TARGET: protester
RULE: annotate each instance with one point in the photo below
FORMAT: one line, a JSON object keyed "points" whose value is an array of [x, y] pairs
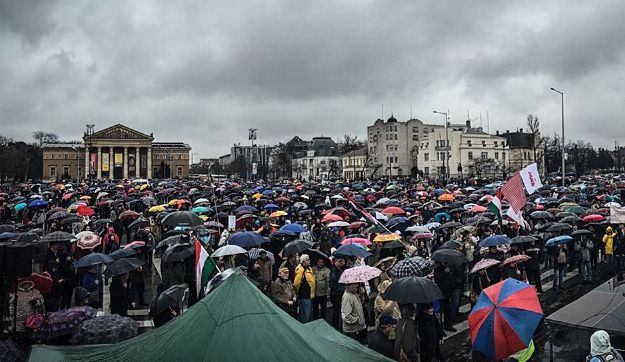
{"points": [[407, 343], [284, 293], [304, 285], [120, 296], [601, 350], [352, 314], [322, 285], [379, 340]]}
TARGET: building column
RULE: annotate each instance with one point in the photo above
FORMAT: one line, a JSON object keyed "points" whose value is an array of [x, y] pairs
{"points": [[86, 162], [125, 161], [111, 162], [99, 165], [149, 166], [137, 163]]}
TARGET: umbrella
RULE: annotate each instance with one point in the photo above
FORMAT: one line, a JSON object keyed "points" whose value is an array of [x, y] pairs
{"points": [[254, 253], [182, 218], [396, 244], [558, 240], [328, 218], [228, 250], [451, 244], [389, 259], [85, 210], [558, 227], [393, 210], [103, 222], [63, 322], [571, 219], [122, 253], [295, 228], [172, 240], [417, 229], [523, 239], [157, 208], [27, 237], [516, 259], [415, 266], [57, 237], [495, 240], [449, 256], [177, 252], [359, 274], [139, 222], [246, 239], [170, 297], [37, 203], [581, 232], [295, 247], [129, 214], [355, 240], [7, 235], [484, 264], [448, 225], [122, 266], [593, 218], [382, 238], [541, 215], [105, 330], [413, 289], [71, 219], [6, 228], [504, 319], [446, 197], [88, 241], [352, 250], [93, 259], [248, 209], [20, 206], [338, 224], [200, 210]]}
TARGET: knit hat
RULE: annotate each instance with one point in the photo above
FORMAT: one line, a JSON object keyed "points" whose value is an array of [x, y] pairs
{"points": [[303, 258]]}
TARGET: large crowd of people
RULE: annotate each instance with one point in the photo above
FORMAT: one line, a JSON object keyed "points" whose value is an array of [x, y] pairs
{"points": [[299, 238]]}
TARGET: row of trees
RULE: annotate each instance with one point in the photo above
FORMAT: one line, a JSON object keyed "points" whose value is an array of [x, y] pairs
{"points": [[21, 160]]}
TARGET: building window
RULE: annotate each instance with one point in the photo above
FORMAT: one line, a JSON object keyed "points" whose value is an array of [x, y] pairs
{"points": [[469, 143], [395, 136], [415, 137], [503, 156], [495, 143], [470, 155], [179, 171], [425, 131], [78, 171], [415, 129], [484, 155], [426, 157], [53, 171], [426, 170], [483, 143], [496, 155], [65, 171]]}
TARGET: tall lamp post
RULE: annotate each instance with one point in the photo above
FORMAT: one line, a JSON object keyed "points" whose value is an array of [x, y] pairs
{"points": [[252, 138], [446, 161], [562, 101]]}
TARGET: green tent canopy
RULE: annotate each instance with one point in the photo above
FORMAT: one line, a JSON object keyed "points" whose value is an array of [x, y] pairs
{"points": [[235, 322]]}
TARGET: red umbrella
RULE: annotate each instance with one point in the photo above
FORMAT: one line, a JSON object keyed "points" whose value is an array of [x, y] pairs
{"points": [[593, 218], [282, 199], [330, 218], [136, 243], [357, 224], [342, 212], [128, 214], [393, 210], [516, 259], [88, 242], [361, 241], [478, 208], [68, 196], [85, 210]]}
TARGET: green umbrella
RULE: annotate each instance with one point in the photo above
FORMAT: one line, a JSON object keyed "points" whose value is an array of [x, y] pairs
{"points": [[578, 210], [200, 210], [20, 206]]}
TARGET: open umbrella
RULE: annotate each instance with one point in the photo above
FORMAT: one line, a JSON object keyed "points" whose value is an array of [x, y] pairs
{"points": [[246, 239], [359, 274], [484, 264], [593, 218], [581, 232], [38, 203], [295, 228], [356, 240], [186, 218], [449, 256], [295, 247], [177, 253], [63, 322], [338, 224], [122, 253], [105, 330], [558, 227], [558, 240], [254, 253], [504, 319], [122, 266], [451, 244], [248, 209], [93, 259], [413, 289], [88, 241], [415, 266], [352, 250], [382, 238], [449, 225], [57, 237], [228, 250], [516, 259], [495, 240], [139, 222], [129, 214], [523, 239], [170, 297]]}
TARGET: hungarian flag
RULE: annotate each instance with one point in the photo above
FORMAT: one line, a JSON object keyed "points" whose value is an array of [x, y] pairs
{"points": [[361, 209], [204, 268], [495, 207]]}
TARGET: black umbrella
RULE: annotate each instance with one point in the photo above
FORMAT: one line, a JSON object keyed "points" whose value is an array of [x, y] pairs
{"points": [[122, 266], [27, 237], [413, 290], [558, 227], [102, 222], [316, 255], [173, 240], [451, 224], [570, 219], [177, 253], [295, 247], [395, 244], [451, 245], [139, 222], [7, 228], [58, 237], [581, 232], [71, 219], [449, 256], [170, 297], [122, 253], [182, 218], [541, 215], [523, 239]]}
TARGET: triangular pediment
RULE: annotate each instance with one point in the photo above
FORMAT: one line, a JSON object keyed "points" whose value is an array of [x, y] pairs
{"points": [[119, 131]]}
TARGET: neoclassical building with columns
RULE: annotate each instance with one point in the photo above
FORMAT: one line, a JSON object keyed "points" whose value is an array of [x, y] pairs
{"points": [[116, 152]]}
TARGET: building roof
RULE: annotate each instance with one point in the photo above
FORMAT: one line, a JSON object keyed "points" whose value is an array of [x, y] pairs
{"points": [[118, 131], [355, 153], [324, 146], [170, 146], [75, 144]]}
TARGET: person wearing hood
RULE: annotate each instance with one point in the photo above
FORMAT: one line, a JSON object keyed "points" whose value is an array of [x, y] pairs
{"points": [[601, 350], [608, 243], [383, 307], [110, 241]]}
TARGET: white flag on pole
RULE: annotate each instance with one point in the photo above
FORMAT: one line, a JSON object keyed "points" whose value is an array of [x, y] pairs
{"points": [[531, 178], [517, 217]]}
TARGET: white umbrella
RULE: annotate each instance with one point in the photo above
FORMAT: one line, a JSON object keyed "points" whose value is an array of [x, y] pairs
{"points": [[417, 229], [228, 250], [201, 201], [338, 224]]}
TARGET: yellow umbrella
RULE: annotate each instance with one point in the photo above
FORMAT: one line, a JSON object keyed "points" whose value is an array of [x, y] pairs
{"points": [[173, 202], [382, 238], [257, 196], [85, 197], [204, 217], [278, 213], [157, 208], [143, 187]]}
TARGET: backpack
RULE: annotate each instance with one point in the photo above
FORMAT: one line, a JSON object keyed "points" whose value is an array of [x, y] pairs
{"points": [[561, 257]]}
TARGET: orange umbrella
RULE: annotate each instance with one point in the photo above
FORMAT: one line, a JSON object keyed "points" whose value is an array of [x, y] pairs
{"points": [[446, 197]]}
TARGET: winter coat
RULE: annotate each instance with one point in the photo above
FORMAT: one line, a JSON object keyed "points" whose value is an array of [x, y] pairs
{"points": [[382, 306], [430, 332], [119, 297], [322, 281], [608, 241], [380, 343], [29, 302], [336, 288], [445, 280], [304, 279], [352, 313], [584, 249], [282, 291], [266, 269], [407, 339]]}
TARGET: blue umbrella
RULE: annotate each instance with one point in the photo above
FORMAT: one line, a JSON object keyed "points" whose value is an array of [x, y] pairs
{"points": [[559, 240], [442, 217], [272, 207], [495, 240], [267, 192], [246, 239], [438, 192], [200, 209], [93, 259], [246, 208], [37, 203], [283, 233], [352, 250], [397, 223], [7, 235], [295, 228]]}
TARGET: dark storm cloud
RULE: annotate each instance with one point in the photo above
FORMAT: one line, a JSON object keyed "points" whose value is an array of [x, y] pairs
{"points": [[204, 72]]}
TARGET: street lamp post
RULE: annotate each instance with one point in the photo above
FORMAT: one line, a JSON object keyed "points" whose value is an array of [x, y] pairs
{"points": [[252, 137], [446, 161], [562, 102]]}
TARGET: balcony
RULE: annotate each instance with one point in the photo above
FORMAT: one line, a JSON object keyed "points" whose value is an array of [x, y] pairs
{"points": [[442, 148]]}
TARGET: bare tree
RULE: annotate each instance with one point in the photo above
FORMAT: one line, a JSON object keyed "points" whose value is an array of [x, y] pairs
{"points": [[482, 165], [44, 137], [537, 142]]}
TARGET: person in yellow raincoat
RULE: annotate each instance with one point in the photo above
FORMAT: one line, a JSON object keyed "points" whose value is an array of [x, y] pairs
{"points": [[608, 243]]}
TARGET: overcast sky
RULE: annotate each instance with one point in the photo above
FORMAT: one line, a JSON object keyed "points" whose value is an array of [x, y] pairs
{"points": [[204, 72]]}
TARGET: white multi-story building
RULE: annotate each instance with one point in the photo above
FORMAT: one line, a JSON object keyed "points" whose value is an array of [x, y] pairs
{"points": [[321, 161], [472, 153], [394, 146], [355, 165]]}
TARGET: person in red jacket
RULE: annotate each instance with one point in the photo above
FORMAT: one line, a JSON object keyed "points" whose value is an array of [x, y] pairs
{"points": [[110, 241]]}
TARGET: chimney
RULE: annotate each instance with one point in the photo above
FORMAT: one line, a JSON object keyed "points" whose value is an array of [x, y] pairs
{"points": [[497, 133], [468, 123], [507, 131], [521, 130]]}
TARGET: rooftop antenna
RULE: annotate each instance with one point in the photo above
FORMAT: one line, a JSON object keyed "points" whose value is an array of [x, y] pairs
{"points": [[487, 122]]}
